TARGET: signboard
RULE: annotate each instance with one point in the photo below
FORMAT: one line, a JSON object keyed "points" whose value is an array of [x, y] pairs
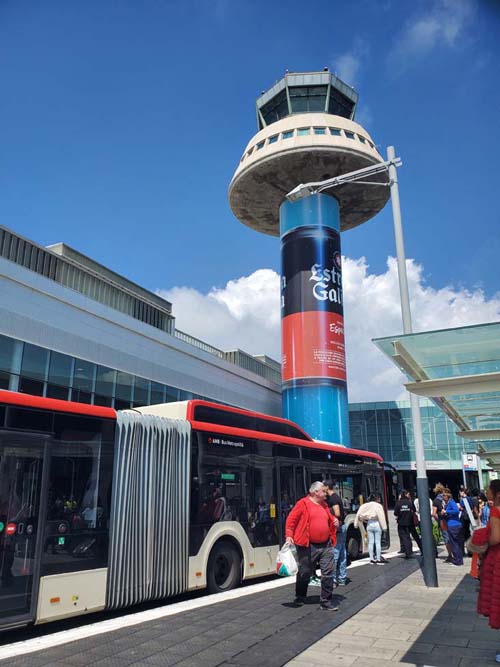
{"points": [[223, 445], [432, 465], [469, 462], [312, 310]]}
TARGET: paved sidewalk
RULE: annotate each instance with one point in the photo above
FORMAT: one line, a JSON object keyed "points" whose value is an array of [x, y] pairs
{"points": [[254, 627], [412, 625]]}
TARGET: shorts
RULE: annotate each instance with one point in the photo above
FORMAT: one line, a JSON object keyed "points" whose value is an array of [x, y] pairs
{"points": [[446, 537]]}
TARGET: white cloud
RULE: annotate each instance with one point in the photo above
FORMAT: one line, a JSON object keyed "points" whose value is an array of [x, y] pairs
{"points": [[347, 65], [442, 25], [245, 314]]}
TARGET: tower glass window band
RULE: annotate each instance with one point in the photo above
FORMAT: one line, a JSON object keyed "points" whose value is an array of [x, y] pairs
{"points": [[276, 108], [339, 105], [308, 98]]}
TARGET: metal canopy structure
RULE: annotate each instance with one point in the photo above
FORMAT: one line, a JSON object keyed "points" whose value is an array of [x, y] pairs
{"points": [[459, 370]]}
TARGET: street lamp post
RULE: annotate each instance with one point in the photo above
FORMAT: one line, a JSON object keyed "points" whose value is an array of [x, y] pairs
{"points": [[360, 176], [428, 546]]}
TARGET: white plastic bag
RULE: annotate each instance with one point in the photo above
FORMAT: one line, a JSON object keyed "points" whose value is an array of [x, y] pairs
{"points": [[286, 564]]}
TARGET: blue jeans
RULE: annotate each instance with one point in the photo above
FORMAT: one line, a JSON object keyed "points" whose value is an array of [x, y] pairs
{"points": [[374, 531], [340, 555]]}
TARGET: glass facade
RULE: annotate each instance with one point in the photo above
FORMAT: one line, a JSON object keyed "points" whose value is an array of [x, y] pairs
{"points": [[386, 429], [312, 92], [308, 98], [276, 108], [31, 369], [339, 105]]}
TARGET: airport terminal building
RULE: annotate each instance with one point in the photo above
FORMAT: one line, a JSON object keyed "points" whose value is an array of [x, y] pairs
{"points": [[73, 329], [386, 428]]}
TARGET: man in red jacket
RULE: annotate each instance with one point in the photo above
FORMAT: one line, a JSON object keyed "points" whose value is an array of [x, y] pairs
{"points": [[312, 528]]}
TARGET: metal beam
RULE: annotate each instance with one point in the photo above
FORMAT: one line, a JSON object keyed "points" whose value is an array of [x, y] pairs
{"points": [[493, 459], [305, 189], [481, 434], [455, 386], [450, 411], [404, 359]]}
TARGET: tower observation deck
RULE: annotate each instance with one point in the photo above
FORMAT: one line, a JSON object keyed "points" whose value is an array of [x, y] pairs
{"points": [[307, 133]]}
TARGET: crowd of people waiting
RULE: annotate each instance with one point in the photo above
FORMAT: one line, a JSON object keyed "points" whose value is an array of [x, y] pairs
{"points": [[316, 527]]}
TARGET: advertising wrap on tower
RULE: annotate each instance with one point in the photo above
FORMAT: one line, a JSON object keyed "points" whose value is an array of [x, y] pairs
{"points": [[312, 313]]}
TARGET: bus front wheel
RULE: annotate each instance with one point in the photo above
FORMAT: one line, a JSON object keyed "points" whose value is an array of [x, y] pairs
{"points": [[224, 568]]}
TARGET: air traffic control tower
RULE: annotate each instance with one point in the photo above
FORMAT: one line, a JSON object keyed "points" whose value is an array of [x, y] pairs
{"points": [[306, 133]]}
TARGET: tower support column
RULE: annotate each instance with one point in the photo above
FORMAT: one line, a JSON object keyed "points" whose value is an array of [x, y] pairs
{"points": [[314, 387]]}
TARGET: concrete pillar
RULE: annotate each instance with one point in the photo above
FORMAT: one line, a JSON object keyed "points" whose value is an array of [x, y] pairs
{"points": [[312, 318]]}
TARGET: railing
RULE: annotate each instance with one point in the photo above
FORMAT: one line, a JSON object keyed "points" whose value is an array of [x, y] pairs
{"points": [[85, 281], [236, 357], [196, 342]]}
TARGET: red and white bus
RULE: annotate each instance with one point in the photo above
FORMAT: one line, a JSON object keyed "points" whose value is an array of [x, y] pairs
{"points": [[101, 509]]}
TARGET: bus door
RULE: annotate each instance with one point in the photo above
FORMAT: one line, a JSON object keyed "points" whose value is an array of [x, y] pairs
{"points": [[293, 485], [21, 465]]}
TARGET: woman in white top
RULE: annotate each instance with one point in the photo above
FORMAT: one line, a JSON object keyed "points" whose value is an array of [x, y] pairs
{"points": [[373, 513]]}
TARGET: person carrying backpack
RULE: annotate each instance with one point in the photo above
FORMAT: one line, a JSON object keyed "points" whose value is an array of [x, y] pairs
{"points": [[406, 516]]}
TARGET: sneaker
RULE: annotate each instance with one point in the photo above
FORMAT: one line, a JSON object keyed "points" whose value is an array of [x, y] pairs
{"points": [[344, 583], [382, 560], [328, 606], [373, 562], [315, 581], [497, 657], [299, 600]]}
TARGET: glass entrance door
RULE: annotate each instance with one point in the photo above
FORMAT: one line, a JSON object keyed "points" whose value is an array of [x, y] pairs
{"points": [[21, 463]]}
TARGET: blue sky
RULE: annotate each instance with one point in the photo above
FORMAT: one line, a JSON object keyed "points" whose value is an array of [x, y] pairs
{"points": [[122, 123]]}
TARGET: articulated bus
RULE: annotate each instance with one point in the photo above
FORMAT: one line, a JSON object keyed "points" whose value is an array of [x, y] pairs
{"points": [[102, 509]]}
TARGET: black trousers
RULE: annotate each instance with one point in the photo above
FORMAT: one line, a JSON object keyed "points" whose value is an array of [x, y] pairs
{"points": [[309, 559], [405, 534], [456, 535]]}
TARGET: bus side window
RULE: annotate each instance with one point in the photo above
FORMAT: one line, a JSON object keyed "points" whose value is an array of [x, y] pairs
{"points": [[301, 482], [263, 517], [78, 507], [220, 485]]}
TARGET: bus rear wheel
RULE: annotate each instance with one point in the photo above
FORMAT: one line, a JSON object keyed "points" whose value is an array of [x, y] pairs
{"points": [[224, 568], [353, 545]]}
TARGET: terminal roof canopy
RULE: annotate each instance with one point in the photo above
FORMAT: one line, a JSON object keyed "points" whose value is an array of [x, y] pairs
{"points": [[459, 369], [303, 92]]}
